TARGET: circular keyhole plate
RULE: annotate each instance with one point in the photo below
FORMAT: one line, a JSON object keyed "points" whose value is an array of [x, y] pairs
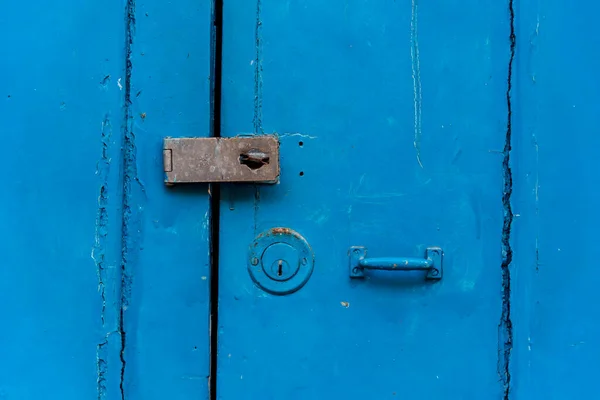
{"points": [[286, 261]]}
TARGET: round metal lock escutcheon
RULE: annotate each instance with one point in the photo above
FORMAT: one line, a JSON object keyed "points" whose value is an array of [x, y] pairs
{"points": [[280, 261]]}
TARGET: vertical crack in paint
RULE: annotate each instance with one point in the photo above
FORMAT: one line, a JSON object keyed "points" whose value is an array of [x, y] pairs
{"points": [[129, 176], [258, 69], [505, 326], [99, 249], [258, 88], [416, 76]]}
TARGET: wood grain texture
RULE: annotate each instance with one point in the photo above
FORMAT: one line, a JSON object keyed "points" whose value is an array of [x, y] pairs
{"points": [[555, 296], [60, 205], [392, 118], [104, 272], [167, 320]]}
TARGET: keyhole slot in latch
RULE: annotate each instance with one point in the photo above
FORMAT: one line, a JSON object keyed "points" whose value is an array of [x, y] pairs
{"points": [[254, 159], [280, 268]]}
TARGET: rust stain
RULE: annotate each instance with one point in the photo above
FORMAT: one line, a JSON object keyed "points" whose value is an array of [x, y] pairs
{"points": [[281, 231]]}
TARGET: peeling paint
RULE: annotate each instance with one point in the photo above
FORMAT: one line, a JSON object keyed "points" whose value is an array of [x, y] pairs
{"points": [[101, 368], [98, 250]]}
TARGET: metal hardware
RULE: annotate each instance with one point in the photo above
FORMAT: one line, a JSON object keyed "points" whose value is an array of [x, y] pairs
{"points": [[239, 159], [280, 261], [432, 263]]}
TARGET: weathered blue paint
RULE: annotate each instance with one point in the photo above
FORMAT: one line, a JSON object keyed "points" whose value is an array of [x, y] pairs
{"points": [[60, 204], [104, 275], [167, 318], [555, 297], [402, 125], [392, 118]]}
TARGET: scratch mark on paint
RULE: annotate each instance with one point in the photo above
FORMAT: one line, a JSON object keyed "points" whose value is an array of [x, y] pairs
{"points": [[354, 192], [256, 207], [537, 202], [505, 330], [285, 135], [258, 69], [119, 84], [205, 221], [104, 82], [416, 76], [193, 377], [246, 134], [320, 215]]}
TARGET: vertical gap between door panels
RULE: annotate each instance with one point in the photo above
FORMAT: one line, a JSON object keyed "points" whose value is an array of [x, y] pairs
{"points": [[215, 190]]}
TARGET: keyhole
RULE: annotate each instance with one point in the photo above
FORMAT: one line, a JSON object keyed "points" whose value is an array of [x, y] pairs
{"points": [[279, 268], [254, 159]]}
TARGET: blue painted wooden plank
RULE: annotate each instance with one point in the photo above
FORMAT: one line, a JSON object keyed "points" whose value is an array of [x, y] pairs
{"points": [[556, 198], [60, 205], [167, 318], [392, 118]]}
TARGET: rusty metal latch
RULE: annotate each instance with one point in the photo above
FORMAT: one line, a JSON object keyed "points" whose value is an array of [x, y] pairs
{"points": [[238, 159]]}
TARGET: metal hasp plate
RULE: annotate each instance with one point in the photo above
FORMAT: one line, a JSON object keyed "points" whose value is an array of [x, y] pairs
{"points": [[239, 159], [432, 263]]}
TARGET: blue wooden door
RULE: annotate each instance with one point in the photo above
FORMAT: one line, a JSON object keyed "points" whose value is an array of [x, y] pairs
{"points": [[555, 201], [408, 130], [392, 118], [104, 272], [61, 201], [167, 242]]}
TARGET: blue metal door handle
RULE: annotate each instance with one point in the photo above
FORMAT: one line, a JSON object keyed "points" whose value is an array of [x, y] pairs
{"points": [[432, 263]]}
